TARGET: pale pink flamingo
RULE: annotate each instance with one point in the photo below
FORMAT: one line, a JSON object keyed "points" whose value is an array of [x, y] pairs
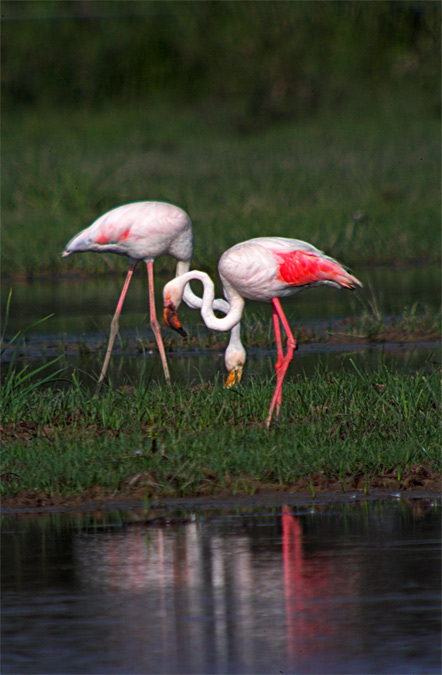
{"points": [[141, 231], [263, 269]]}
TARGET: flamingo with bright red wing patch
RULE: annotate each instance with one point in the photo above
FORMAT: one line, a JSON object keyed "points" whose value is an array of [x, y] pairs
{"points": [[263, 269]]}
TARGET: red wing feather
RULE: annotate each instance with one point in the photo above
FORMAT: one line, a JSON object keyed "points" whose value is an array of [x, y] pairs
{"points": [[101, 238], [105, 236], [298, 268]]}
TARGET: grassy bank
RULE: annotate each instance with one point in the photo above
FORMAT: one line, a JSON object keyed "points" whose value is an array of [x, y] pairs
{"points": [[360, 180], [349, 429], [258, 119]]}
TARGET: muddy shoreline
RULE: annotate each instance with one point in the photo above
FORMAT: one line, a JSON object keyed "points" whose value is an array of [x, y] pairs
{"points": [[419, 482]]}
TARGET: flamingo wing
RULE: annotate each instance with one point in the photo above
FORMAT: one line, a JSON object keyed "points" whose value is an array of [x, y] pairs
{"points": [[300, 268], [250, 269]]}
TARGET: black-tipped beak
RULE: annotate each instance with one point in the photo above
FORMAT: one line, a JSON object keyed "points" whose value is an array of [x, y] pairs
{"points": [[171, 319]]}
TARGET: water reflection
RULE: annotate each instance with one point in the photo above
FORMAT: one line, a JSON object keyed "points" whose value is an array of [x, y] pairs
{"points": [[308, 585], [348, 589]]}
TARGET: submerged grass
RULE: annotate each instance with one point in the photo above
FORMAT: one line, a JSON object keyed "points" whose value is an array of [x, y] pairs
{"points": [[154, 440]]}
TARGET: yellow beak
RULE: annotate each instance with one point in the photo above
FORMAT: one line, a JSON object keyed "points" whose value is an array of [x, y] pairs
{"points": [[234, 376]]}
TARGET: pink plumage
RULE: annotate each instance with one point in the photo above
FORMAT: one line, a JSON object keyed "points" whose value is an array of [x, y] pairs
{"points": [[140, 231], [263, 269], [268, 267]]}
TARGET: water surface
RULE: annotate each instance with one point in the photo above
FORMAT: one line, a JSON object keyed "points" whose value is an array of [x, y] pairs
{"points": [[348, 588], [84, 306], [82, 311]]}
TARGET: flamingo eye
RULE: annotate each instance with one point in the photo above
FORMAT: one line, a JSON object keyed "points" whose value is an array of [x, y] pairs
{"points": [[169, 304]]}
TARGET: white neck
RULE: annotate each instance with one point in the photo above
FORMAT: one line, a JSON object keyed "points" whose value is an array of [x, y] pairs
{"points": [[236, 302], [189, 297], [182, 267]]}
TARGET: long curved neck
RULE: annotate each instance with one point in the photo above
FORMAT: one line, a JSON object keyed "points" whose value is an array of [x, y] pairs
{"points": [[236, 302], [189, 297], [182, 267]]}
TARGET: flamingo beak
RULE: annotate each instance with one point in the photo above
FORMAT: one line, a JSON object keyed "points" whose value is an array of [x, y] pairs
{"points": [[171, 319], [234, 376]]}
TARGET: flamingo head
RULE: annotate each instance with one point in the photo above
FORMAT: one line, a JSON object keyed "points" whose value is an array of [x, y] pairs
{"points": [[171, 301], [234, 359], [234, 376]]}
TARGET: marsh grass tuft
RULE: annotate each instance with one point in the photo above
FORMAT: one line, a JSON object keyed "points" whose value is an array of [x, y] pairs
{"points": [[20, 381]]}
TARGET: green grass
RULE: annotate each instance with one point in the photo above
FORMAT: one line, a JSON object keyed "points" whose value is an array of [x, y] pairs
{"points": [[253, 133], [361, 181], [172, 441]]}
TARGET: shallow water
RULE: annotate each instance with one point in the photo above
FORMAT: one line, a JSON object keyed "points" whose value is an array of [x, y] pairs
{"points": [[190, 367], [348, 588], [82, 312], [84, 306]]}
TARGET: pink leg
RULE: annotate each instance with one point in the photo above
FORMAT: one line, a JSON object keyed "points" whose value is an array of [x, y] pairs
{"points": [[154, 322], [115, 322], [280, 353], [281, 368]]}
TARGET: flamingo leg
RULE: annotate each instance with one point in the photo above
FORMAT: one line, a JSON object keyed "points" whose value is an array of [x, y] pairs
{"points": [[281, 367], [154, 322], [280, 352], [115, 322]]}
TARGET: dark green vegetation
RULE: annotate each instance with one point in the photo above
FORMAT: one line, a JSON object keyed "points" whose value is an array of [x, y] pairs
{"points": [[269, 60], [319, 121], [156, 440]]}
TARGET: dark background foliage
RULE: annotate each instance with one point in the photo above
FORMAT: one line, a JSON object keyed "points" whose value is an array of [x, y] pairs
{"points": [[262, 61]]}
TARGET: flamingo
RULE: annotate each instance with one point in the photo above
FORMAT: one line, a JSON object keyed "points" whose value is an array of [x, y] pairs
{"points": [[144, 231], [263, 269], [141, 231]]}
